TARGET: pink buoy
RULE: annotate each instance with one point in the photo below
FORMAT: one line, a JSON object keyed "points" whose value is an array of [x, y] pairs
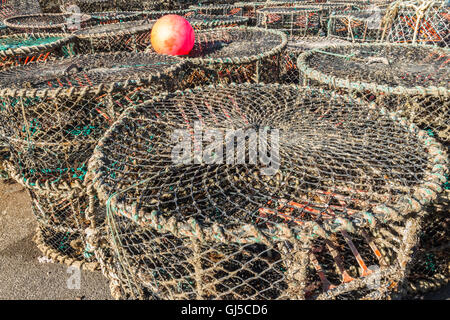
{"points": [[172, 35]]}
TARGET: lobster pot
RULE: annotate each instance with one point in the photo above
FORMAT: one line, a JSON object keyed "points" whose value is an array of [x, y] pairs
{"points": [[48, 22], [300, 21], [61, 226], [296, 46], [409, 79], [10, 8], [359, 26], [89, 6], [132, 36], [218, 9], [54, 113], [418, 22], [155, 15], [227, 55], [20, 49], [186, 220], [290, 3], [203, 22], [430, 269], [249, 10], [24, 48], [116, 17]]}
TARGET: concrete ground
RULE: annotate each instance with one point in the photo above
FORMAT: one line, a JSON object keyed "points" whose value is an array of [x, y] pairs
{"points": [[23, 276]]}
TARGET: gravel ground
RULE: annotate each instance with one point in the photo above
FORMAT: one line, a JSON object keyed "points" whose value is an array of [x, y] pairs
{"points": [[22, 276]]}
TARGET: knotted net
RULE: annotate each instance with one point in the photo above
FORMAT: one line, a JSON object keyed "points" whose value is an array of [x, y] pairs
{"points": [[418, 22], [52, 115], [411, 79], [329, 208], [132, 36], [358, 26], [295, 47], [240, 54], [24, 48], [48, 22]]}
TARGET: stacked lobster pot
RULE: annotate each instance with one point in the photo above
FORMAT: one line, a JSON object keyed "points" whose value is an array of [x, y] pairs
{"points": [[326, 206], [249, 9], [48, 22], [305, 20], [296, 46], [52, 116], [357, 26], [131, 36], [418, 22], [413, 81], [21, 49], [218, 9], [227, 55]]}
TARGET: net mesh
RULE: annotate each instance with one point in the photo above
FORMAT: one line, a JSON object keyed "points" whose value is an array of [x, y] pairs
{"points": [[48, 22], [131, 36], [10, 8], [296, 46], [218, 9], [296, 21], [419, 22], [226, 55], [412, 79], [52, 115], [359, 26], [313, 229]]}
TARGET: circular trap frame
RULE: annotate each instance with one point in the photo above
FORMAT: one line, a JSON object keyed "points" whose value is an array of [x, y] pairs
{"points": [[200, 226], [48, 22], [54, 113]]}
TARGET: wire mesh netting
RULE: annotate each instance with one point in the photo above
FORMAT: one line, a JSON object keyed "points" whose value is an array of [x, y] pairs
{"points": [[117, 17], [132, 36], [218, 9], [204, 22], [296, 46], [294, 20], [237, 55], [19, 49], [52, 115], [249, 10], [10, 8], [421, 22], [91, 6], [431, 263], [48, 22], [332, 216], [410, 79], [23, 48], [359, 26]]}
